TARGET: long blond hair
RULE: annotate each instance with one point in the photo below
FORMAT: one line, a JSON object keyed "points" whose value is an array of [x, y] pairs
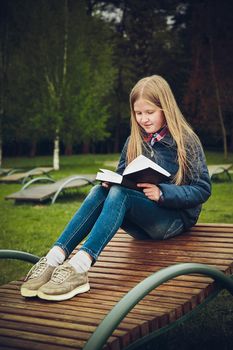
{"points": [[156, 90]]}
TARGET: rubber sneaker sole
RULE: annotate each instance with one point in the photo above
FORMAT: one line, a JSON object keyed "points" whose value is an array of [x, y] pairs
{"points": [[60, 297], [28, 293]]}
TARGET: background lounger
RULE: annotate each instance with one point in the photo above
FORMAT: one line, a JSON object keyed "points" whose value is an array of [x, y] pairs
{"points": [[4, 171], [218, 169], [24, 176], [39, 193]]}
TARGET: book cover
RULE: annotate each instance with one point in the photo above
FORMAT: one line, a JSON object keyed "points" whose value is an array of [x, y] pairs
{"points": [[141, 169]]}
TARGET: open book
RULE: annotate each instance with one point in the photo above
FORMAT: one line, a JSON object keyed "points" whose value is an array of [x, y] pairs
{"points": [[141, 169]]}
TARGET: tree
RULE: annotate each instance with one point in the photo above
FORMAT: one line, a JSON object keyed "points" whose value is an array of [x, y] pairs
{"points": [[209, 90], [91, 77], [145, 44], [5, 48], [23, 100], [62, 73]]}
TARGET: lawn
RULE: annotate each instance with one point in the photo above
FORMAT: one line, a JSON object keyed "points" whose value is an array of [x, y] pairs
{"points": [[34, 227]]}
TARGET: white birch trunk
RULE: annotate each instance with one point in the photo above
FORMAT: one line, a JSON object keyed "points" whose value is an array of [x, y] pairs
{"points": [[56, 153], [54, 93]]}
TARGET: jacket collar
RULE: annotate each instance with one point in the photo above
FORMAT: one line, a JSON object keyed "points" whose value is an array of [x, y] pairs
{"points": [[168, 140]]}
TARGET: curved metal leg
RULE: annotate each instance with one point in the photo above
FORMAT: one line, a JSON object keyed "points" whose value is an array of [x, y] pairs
{"points": [[36, 180], [14, 171], [30, 174], [67, 182], [19, 255], [228, 175], [122, 308]]}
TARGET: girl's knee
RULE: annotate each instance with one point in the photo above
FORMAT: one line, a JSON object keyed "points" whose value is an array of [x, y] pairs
{"points": [[98, 191], [117, 190]]}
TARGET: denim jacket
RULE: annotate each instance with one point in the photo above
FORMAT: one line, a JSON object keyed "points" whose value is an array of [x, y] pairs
{"points": [[186, 198]]}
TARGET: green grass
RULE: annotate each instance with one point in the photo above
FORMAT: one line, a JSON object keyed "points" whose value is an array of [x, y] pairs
{"points": [[217, 158], [34, 227]]}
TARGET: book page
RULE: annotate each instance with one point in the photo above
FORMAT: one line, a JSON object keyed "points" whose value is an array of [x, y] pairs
{"points": [[142, 162], [109, 176], [107, 171]]}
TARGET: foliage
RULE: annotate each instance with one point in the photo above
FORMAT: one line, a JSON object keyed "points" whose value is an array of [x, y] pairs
{"points": [[145, 44], [55, 84], [209, 88], [67, 67]]}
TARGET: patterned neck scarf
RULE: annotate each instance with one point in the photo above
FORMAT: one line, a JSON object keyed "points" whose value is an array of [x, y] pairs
{"points": [[157, 136]]}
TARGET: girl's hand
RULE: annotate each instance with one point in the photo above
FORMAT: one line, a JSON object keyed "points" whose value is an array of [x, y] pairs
{"points": [[150, 190], [105, 184]]}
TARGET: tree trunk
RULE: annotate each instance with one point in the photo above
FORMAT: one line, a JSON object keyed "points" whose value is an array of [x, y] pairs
{"points": [[4, 63], [119, 88], [217, 93], [231, 144], [220, 114], [1, 140], [117, 136], [32, 152], [68, 149], [65, 46], [0, 151], [119, 112], [86, 147], [56, 153]]}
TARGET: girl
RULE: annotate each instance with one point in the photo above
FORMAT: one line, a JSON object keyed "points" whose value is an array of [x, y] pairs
{"points": [[160, 132]]}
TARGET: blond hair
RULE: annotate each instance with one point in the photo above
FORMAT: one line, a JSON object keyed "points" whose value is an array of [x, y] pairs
{"points": [[156, 90]]}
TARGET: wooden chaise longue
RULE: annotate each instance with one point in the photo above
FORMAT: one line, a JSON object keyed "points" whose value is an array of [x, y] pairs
{"points": [[138, 290], [40, 193], [18, 175]]}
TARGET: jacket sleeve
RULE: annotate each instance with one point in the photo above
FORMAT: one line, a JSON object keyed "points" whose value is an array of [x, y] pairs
{"points": [[188, 195]]}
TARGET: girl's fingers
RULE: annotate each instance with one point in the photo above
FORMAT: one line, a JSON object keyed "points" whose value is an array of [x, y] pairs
{"points": [[147, 193], [145, 185], [151, 191]]}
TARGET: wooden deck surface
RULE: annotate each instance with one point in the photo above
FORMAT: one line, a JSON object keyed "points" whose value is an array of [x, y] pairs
{"points": [[37, 324]]}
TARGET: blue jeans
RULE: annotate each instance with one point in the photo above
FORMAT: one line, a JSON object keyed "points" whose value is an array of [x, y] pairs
{"points": [[105, 210]]}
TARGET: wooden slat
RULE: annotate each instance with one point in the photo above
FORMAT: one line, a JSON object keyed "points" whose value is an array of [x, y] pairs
{"points": [[38, 324]]}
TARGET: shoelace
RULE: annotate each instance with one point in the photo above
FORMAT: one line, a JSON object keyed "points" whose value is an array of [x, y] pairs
{"points": [[60, 274], [37, 269]]}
